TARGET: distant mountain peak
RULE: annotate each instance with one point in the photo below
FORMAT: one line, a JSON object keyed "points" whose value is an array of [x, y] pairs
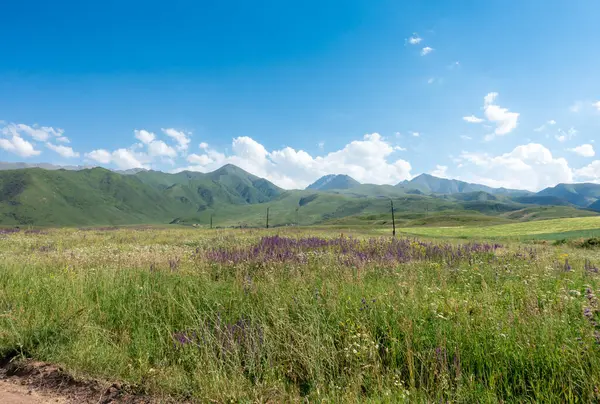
{"points": [[334, 181]]}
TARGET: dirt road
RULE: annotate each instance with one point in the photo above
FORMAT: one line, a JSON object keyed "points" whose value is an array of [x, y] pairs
{"points": [[11, 393]]}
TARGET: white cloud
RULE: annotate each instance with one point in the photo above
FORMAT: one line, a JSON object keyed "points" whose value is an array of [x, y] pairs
{"points": [[181, 138], [365, 160], [124, 159], [101, 156], [63, 139], [426, 51], [40, 134], [19, 146], [596, 105], [465, 137], [415, 39], [505, 121], [590, 172], [201, 160], [563, 136], [576, 107], [64, 151], [489, 99], [203, 145], [158, 148], [440, 171], [472, 119], [531, 166], [585, 150], [415, 134], [144, 136]]}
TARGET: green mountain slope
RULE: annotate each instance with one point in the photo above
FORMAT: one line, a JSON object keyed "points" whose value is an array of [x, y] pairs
{"points": [[101, 197], [234, 197], [582, 195], [86, 197], [429, 184], [334, 181]]}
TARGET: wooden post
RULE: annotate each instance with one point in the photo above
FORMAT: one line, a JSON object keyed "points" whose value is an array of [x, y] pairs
{"points": [[211, 216], [393, 219], [297, 217], [267, 218]]}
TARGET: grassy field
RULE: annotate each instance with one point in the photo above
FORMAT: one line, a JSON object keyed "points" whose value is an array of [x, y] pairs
{"points": [[303, 314], [516, 230]]}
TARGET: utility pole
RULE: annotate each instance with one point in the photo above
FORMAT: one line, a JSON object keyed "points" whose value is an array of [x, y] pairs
{"points": [[393, 218], [267, 218]]}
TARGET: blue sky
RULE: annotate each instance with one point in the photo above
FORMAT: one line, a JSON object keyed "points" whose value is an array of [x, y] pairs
{"points": [[500, 92]]}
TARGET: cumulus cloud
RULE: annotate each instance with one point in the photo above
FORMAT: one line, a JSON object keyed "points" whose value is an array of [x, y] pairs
{"points": [[158, 148], [440, 171], [415, 134], [366, 160], [415, 39], [124, 159], [141, 155], [426, 51], [563, 136], [505, 121], [144, 136], [101, 156], [181, 138], [585, 150], [596, 105], [472, 119], [591, 172], [531, 166], [18, 146], [36, 132], [63, 139], [64, 151]]}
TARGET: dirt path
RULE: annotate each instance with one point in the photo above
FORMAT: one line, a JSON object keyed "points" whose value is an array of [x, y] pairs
{"points": [[31, 382], [11, 393]]}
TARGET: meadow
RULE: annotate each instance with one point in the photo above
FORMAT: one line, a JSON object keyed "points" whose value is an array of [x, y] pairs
{"points": [[301, 314]]}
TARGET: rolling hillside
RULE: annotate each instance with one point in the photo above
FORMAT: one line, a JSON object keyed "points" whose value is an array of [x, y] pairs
{"points": [[100, 197], [429, 184], [233, 197], [582, 195], [334, 181]]}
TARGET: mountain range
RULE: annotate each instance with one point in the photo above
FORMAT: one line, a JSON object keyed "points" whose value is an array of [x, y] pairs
{"points": [[76, 196]]}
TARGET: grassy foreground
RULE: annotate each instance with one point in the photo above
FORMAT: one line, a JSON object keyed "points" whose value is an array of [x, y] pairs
{"points": [[228, 315]]}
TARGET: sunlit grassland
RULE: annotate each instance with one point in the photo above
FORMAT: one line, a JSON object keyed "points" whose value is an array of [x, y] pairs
{"points": [[514, 230], [146, 306]]}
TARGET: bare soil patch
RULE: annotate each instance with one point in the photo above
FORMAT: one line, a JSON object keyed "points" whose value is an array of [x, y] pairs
{"points": [[32, 382]]}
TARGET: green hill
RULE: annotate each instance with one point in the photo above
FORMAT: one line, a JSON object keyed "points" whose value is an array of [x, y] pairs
{"points": [[233, 197], [100, 197], [429, 184], [582, 195], [334, 181]]}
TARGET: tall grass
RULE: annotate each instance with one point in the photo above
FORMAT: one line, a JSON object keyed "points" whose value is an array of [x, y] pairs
{"points": [[148, 308]]}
